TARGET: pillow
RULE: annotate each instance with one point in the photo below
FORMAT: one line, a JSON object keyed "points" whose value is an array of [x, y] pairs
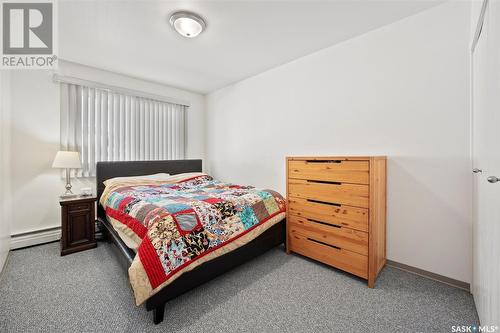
{"points": [[156, 176]]}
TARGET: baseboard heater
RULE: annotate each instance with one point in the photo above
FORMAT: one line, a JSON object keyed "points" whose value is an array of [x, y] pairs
{"points": [[37, 237]]}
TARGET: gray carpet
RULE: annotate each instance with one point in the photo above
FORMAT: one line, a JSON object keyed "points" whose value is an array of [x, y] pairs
{"points": [[88, 291]]}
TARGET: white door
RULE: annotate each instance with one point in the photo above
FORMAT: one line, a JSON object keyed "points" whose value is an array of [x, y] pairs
{"points": [[486, 156]]}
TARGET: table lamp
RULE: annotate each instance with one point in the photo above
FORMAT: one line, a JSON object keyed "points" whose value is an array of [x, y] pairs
{"points": [[67, 160]]}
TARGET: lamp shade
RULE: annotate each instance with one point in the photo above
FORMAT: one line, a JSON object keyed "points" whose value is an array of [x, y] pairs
{"points": [[67, 160]]}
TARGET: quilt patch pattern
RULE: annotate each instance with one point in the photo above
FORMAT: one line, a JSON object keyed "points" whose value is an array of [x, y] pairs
{"points": [[181, 222]]}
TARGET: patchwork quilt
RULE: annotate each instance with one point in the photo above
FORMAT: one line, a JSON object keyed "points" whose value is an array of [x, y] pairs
{"points": [[177, 225]]}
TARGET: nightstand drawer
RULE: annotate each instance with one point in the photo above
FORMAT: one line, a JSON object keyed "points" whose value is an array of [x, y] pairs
{"points": [[346, 216], [345, 238], [80, 207], [337, 193], [356, 172], [348, 261]]}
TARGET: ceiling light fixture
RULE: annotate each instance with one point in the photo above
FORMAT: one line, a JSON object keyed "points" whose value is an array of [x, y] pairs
{"points": [[187, 24]]}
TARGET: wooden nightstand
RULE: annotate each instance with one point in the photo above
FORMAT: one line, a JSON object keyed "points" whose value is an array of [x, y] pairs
{"points": [[78, 224]]}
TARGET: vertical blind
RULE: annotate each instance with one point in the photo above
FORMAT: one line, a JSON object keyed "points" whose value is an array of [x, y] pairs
{"points": [[103, 125]]}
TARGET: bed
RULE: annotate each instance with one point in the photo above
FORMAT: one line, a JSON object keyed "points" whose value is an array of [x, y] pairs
{"points": [[212, 267]]}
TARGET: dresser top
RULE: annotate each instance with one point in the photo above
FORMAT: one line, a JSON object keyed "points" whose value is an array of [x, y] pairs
{"points": [[342, 158]]}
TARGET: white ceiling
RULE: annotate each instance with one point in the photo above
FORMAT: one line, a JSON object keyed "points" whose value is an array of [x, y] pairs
{"points": [[243, 38]]}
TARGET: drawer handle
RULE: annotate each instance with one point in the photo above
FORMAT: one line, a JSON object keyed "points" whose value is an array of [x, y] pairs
{"points": [[323, 161], [81, 207], [324, 202], [328, 224], [313, 240], [324, 182]]}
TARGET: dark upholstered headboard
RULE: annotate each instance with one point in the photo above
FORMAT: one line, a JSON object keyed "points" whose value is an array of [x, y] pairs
{"points": [[108, 170]]}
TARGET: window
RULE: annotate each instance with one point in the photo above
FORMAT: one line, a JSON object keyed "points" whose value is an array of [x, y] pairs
{"points": [[110, 125]]}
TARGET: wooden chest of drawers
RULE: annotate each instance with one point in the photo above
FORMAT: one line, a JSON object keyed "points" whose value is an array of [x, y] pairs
{"points": [[337, 210]]}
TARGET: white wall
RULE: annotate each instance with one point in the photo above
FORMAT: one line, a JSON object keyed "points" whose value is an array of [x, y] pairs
{"points": [[35, 138], [4, 167], [401, 91]]}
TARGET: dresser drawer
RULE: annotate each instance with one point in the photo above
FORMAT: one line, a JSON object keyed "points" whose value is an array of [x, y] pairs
{"points": [[348, 261], [338, 193], [345, 238], [356, 172], [346, 216]]}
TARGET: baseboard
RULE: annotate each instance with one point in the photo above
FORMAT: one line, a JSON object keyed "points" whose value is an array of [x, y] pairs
{"points": [[433, 276], [35, 238], [3, 263]]}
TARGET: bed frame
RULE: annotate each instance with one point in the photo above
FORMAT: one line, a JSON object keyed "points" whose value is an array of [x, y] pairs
{"points": [[199, 275]]}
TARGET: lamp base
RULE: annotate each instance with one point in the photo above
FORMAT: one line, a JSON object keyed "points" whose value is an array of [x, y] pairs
{"points": [[68, 194]]}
